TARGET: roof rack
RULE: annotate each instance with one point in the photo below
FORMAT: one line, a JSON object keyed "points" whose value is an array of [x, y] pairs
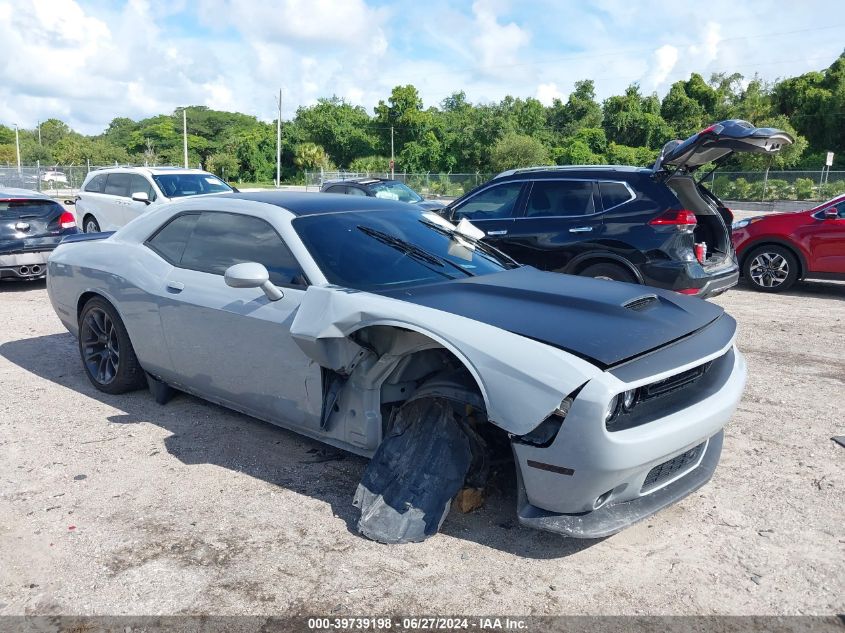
{"points": [[523, 170]]}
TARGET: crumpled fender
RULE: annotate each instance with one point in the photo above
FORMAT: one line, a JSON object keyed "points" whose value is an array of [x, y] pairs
{"points": [[522, 380]]}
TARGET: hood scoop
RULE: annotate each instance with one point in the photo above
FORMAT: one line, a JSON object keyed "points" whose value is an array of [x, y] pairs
{"points": [[640, 303]]}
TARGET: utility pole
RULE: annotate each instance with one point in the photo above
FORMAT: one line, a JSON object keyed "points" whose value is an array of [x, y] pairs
{"points": [[185, 135], [39, 132], [392, 161], [18, 148], [279, 143]]}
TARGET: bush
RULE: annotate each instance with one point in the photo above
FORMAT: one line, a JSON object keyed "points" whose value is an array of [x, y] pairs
{"points": [[777, 189], [804, 189]]}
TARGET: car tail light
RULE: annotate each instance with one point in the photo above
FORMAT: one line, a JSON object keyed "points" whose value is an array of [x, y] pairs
{"points": [[682, 218], [688, 291], [66, 220]]}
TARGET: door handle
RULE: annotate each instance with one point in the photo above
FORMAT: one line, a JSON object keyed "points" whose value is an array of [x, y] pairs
{"points": [[175, 286], [581, 229], [497, 232]]}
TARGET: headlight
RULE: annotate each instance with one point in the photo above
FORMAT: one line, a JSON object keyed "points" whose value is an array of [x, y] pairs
{"points": [[611, 408], [629, 399], [741, 224]]}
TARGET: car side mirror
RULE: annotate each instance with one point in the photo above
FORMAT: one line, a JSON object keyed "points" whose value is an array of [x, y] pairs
{"points": [[252, 275], [141, 196], [831, 214]]}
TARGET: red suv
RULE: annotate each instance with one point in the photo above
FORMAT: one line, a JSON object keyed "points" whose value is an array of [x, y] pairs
{"points": [[775, 251]]}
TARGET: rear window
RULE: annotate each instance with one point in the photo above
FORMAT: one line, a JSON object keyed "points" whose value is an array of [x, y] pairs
{"points": [[96, 184], [613, 194], [21, 209]]}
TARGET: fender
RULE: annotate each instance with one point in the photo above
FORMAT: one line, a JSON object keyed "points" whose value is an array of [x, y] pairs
{"points": [[521, 380], [774, 239], [600, 255]]}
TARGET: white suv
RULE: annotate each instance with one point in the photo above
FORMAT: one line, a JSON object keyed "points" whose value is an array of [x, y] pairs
{"points": [[112, 197]]}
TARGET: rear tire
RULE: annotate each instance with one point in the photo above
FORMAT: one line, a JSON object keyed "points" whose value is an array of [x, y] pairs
{"points": [[770, 269], [608, 271], [106, 351], [90, 224]]}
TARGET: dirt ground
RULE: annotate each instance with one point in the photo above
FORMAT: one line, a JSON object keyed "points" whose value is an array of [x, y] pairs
{"points": [[116, 505]]}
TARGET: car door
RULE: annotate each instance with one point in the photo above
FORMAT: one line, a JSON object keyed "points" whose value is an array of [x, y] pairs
{"points": [[493, 210], [133, 208], [233, 345], [113, 204], [825, 239], [560, 220]]}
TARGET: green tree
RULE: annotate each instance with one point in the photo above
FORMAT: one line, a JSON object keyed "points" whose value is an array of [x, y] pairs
{"points": [[343, 130], [518, 150], [310, 156]]}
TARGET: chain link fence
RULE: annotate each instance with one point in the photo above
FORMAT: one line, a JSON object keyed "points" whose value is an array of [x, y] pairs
{"points": [[776, 185], [56, 180]]}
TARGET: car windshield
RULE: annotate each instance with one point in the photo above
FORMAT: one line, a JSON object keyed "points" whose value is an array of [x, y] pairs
{"points": [[178, 185], [377, 250], [395, 191]]}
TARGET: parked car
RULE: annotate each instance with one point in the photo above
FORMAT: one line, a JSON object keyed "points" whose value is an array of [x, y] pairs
{"points": [[31, 225], [777, 250], [379, 188], [655, 226], [112, 197], [382, 329], [54, 177]]}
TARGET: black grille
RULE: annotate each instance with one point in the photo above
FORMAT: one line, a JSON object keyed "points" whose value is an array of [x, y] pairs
{"points": [[673, 383], [640, 303], [671, 468]]}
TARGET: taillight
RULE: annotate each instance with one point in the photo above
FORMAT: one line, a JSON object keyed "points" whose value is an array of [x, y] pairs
{"points": [[688, 291], [66, 220], [682, 218]]}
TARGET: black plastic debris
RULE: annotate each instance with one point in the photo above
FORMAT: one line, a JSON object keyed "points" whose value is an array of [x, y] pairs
{"points": [[407, 488], [162, 392]]}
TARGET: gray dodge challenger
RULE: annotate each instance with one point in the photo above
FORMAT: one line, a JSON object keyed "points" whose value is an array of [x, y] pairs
{"points": [[384, 330]]}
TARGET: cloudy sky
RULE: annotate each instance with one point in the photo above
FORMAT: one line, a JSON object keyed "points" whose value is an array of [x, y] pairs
{"points": [[88, 61]]}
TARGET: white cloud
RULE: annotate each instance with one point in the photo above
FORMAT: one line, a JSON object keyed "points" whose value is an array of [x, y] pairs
{"points": [[547, 93], [87, 61], [665, 59]]}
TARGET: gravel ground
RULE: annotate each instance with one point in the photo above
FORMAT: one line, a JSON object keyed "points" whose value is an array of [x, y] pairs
{"points": [[116, 505]]}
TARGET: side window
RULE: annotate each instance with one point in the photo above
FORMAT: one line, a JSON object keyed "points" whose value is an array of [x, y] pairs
{"points": [[560, 198], [495, 202], [336, 189], [613, 194], [138, 184], [355, 191], [841, 208], [117, 185], [96, 184], [220, 240], [169, 241]]}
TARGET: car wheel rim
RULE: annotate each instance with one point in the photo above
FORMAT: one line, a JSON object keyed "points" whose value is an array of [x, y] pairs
{"points": [[91, 227], [769, 270], [100, 346], [605, 277]]}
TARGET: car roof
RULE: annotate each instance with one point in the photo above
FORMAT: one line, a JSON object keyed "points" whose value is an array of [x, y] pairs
{"points": [[300, 203], [22, 194], [151, 171], [368, 180]]}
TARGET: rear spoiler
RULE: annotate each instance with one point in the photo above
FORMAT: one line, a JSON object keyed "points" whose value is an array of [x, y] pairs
{"points": [[86, 237]]}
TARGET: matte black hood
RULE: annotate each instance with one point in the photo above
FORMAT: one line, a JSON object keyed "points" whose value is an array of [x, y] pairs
{"points": [[584, 316]]}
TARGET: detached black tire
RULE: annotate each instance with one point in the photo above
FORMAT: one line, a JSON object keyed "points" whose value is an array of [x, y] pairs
{"points": [[770, 268], [106, 351], [605, 270], [407, 488], [90, 224]]}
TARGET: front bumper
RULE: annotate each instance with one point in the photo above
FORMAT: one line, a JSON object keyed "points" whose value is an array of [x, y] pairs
{"points": [[591, 482], [24, 265]]}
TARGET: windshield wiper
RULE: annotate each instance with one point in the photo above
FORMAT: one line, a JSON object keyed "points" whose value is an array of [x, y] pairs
{"points": [[412, 250]]}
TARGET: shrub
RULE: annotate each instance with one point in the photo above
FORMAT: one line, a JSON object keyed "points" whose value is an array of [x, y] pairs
{"points": [[804, 188]]}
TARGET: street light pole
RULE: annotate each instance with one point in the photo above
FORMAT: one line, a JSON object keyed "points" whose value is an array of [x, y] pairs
{"points": [[279, 143], [18, 148], [39, 132], [392, 161], [185, 135]]}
